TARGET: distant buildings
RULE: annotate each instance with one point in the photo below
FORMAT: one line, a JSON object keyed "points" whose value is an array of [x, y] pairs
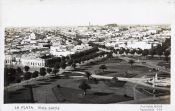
{"points": [[27, 44], [60, 51]]}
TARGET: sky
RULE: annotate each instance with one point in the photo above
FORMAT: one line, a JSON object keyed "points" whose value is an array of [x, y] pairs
{"points": [[81, 12]]}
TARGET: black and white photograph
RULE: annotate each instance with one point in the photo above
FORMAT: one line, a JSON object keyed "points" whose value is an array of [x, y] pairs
{"points": [[88, 64], [87, 52]]}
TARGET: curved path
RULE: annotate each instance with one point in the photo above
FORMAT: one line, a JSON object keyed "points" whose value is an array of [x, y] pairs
{"points": [[138, 81]]}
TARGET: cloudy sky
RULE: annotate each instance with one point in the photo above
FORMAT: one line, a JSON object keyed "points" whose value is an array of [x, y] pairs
{"points": [[81, 12]]}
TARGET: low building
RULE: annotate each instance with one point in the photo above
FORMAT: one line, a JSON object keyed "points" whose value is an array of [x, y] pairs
{"points": [[60, 51], [140, 44], [32, 62]]}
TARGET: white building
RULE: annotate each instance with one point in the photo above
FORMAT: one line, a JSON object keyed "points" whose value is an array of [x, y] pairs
{"points": [[140, 44], [24, 60], [33, 62], [82, 47], [60, 51]]}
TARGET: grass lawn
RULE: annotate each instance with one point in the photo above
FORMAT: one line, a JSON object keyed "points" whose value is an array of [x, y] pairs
{"points": [[165, 64], [18, 96], [102, 91], [70, 95], [118, 68], [149, 92]]}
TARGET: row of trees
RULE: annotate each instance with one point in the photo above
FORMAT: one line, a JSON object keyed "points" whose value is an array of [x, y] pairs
{"points": [[73, 61], [16, 75], [159, 50], [152, 52], [12, 75], [54, 60]]}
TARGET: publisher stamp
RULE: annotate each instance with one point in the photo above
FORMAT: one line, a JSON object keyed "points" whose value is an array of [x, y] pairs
{"points": [[153, 107]]}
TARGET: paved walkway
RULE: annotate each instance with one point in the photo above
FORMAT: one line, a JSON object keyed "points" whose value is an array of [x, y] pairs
{"points": [[138, 81]]}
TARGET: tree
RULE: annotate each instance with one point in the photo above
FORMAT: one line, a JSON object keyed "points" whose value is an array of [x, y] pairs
{"points": [[11, 73], [88, 74], [166, 54], [131, 62], [63, 64], [145, 52], [19, 72], [55, 71], [132, 51], [103, 67], [74, 65], [127, 51], [27, 75], [70, 62], [166, 44], [84, 86], [35, 74], [110, 55], [159, 50], [57, 65], [63, 58], [121, 51], [116, 51], [139, 51], [49, 70], [42, 71], [152, 52], [26, 68], [115, 79]]}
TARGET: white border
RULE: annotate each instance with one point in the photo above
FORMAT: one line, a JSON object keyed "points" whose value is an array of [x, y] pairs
{"points": [[77, 107]]}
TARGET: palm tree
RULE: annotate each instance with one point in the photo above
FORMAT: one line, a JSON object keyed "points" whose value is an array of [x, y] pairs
{"points": [[84, 86], [103, 67]]}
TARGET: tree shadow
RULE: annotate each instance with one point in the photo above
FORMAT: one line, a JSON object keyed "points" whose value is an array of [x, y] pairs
{"points": [[101, 93], [44, 83]]}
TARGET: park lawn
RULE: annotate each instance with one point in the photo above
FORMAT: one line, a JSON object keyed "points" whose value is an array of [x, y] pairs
{"points": [[18, 96], [70, 95], [118, 69], [164, 64]]}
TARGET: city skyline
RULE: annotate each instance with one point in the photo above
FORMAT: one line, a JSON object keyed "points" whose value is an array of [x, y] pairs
{"points": [[76, 13]]}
